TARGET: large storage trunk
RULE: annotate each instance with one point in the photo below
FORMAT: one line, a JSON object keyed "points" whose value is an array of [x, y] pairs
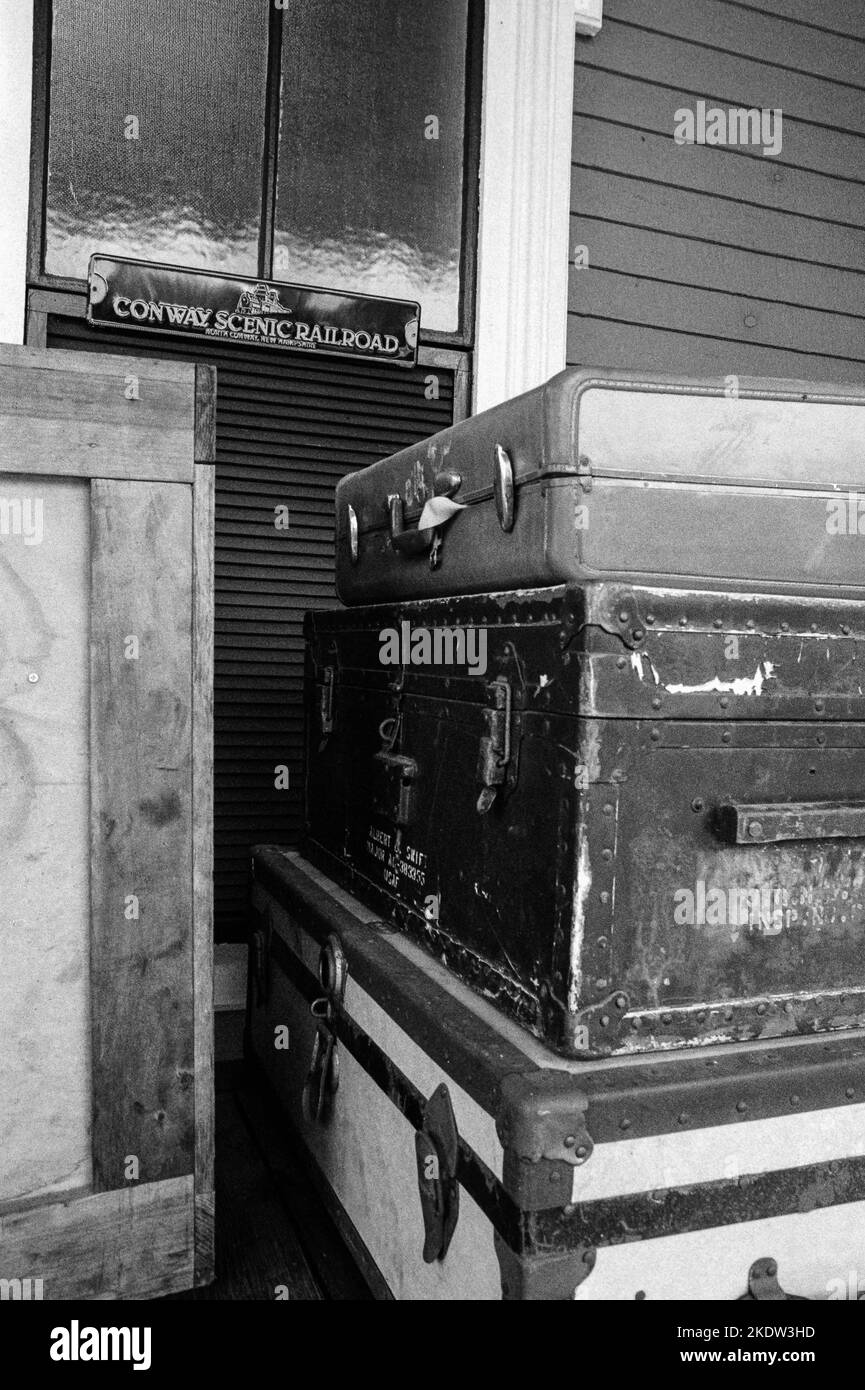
{"points": [[106, 770], [713, 1175], [600, 474], [640, 827]]}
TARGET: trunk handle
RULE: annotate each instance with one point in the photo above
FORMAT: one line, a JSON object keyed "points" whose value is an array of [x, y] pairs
{"points": [[769, 822]]}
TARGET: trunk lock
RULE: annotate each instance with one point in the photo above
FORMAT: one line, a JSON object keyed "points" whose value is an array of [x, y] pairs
{"points": [[396, 788], [495, 747]]}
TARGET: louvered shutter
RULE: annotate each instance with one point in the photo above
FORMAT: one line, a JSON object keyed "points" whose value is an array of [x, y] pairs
{"points": [[288, 428]]}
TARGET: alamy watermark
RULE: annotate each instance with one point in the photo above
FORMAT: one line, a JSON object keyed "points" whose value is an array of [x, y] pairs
{"points": [[436, 646], [77, 1343], [762, 910], [849, 1289], [22, 1290], [22, 517], [737, 125], [845, 516]]}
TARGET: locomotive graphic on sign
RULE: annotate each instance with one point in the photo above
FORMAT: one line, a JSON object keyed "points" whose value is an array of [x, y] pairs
{"points": [[261, 299]]}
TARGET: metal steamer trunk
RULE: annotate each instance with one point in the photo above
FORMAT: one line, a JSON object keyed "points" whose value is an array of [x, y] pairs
{"points": [[464, 1160], [639, 827], [572, 966]]}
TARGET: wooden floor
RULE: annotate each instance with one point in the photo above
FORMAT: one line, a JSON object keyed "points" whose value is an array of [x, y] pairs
{"points": [[273, 1236]]}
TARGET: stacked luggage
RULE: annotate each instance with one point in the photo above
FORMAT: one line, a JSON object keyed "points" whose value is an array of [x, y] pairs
{"points": [[572, 967]]}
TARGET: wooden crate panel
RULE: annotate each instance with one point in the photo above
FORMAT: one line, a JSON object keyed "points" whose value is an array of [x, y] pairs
{"points": [[44, 811], [141, 788], [118, 417], [134, 1243], [106, 835]]}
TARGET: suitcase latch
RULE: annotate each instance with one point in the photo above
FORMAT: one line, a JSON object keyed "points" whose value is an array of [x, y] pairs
{"points": [[323, 1078], [437, 1147], [327, 700], [494, 754], [437, 511], [259, 964]]}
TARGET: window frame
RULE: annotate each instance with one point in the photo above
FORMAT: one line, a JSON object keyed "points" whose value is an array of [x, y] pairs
{"points": [[39, 279]]}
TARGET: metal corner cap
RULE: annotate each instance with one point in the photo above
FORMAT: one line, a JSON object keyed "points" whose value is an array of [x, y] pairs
{"points": [[542, 1115]]}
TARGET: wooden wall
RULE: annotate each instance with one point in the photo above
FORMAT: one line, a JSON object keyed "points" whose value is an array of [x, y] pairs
{"points": [[716, 260]]}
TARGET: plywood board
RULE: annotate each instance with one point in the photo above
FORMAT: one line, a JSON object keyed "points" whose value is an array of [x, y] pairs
{"points": [[45, 860]]}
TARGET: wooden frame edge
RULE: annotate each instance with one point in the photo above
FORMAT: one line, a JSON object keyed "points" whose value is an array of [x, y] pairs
{"points": [[203, 523], [205, 413], [149, 1253], [458, 361]]}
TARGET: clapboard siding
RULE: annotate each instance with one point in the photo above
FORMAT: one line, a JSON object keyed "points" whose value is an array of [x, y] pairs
{"points": [[715, 259], [721, 221], [630, 101], [763, 183], [726, 315], [682, 260], [287, 430], [726, 77], [829, 16], [602, 342], [763, 37]]}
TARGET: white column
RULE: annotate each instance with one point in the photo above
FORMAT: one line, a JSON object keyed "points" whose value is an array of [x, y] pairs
{"points": [[16, 72], [525, 194]]}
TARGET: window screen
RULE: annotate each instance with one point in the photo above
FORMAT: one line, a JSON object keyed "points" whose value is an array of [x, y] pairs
{"points": [[370, 176], [156, 132]]}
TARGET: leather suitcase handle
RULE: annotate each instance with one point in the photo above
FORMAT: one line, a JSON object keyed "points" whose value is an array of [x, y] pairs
{"points": [[770, 822], [414, 542], [446, 485], [419, 540]]}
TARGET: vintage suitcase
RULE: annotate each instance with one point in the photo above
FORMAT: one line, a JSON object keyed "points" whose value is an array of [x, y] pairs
{"points": [[464, 1161], [603, 474], [636, 824]]}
